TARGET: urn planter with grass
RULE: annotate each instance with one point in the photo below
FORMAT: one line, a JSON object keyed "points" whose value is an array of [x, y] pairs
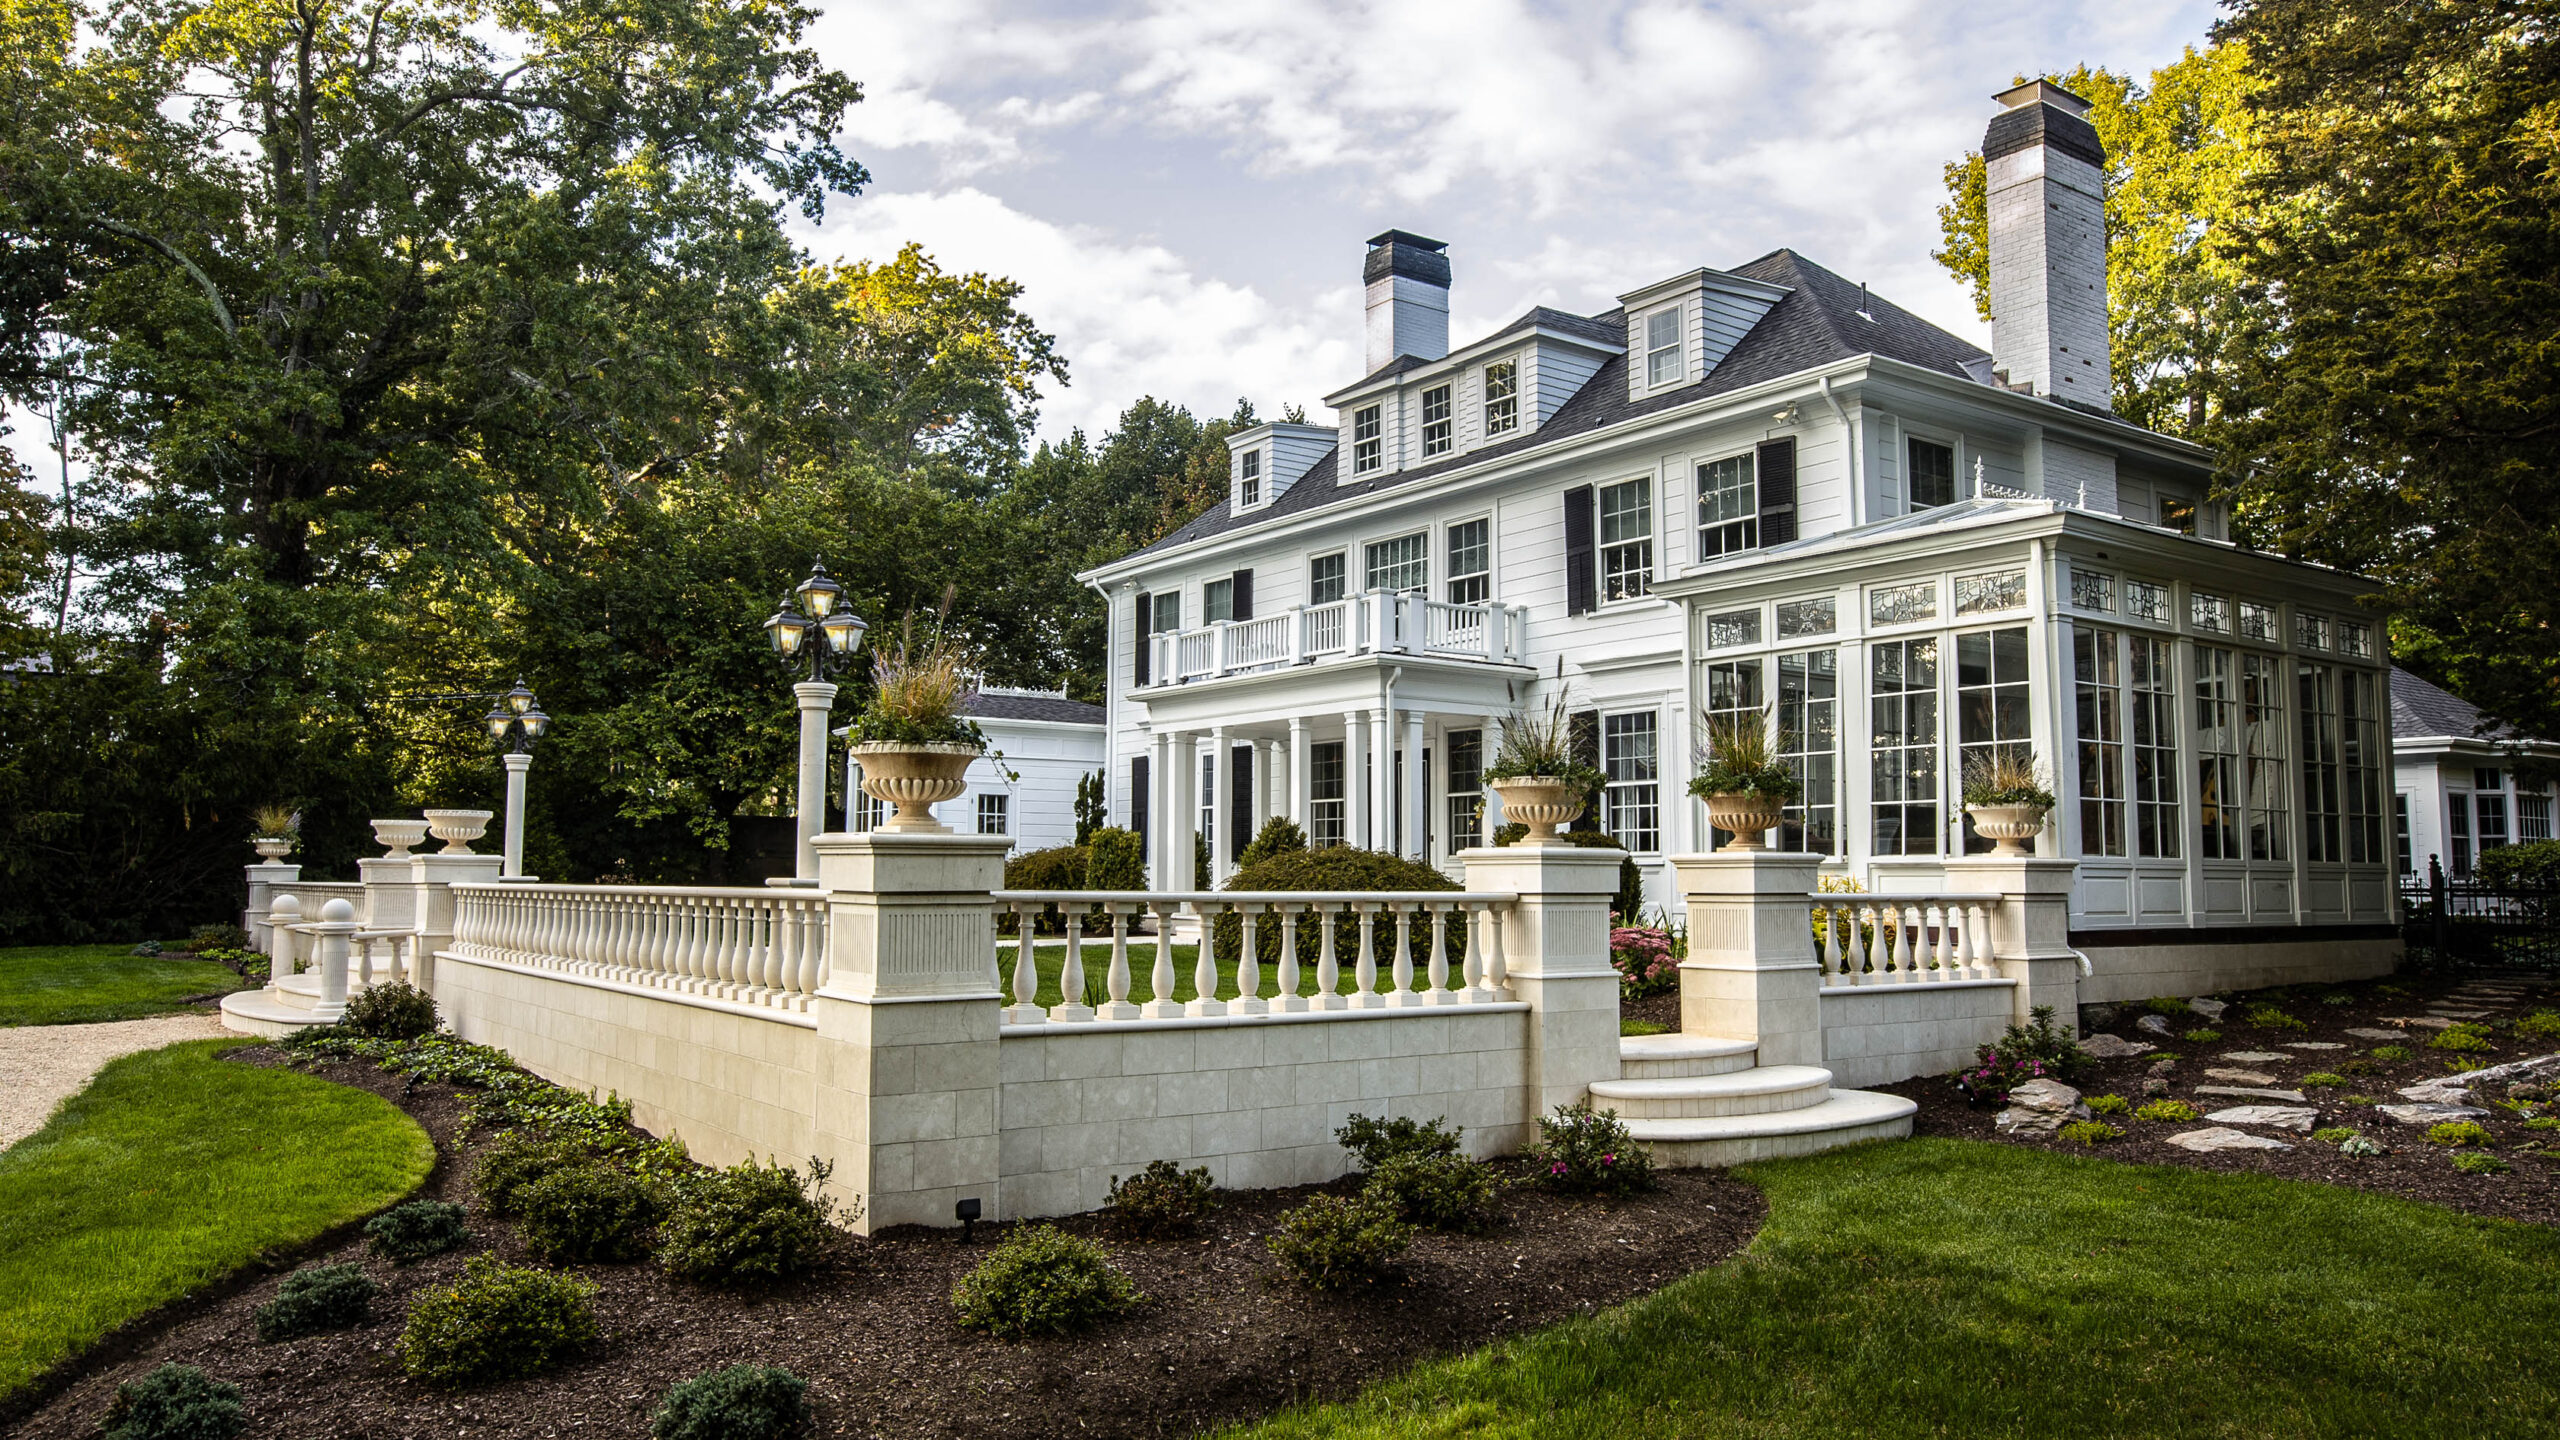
{"points": [[1541, 784], [2005, 795], [914, 738], [276, 827], [1746, 787]]}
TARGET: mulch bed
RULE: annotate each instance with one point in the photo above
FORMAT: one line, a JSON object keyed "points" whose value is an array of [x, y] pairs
{"points": [[2414, 1169], [1226, 1334]]}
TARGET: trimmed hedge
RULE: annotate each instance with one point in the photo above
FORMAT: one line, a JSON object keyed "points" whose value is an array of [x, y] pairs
{"points": [[1337, 868], [1627, 905]]}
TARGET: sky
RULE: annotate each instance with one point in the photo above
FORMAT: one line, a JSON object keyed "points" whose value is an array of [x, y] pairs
{"points": [[1183, 187]]}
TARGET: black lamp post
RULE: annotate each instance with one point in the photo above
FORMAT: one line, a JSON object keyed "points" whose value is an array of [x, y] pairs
{"points": [[515, 722], [814, 624]]}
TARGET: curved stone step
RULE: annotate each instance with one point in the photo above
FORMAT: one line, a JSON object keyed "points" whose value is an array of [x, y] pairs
{"points": [[263, 1013], [1664, 1057], [1848, 1117], [1759, 1090]]}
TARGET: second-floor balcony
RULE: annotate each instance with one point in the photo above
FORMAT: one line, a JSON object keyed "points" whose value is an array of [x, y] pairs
{"points": [[1379, 622]]}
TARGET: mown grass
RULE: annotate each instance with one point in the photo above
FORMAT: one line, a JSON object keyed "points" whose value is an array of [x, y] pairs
{"points": [[171, 1168], [1948, 1287], [78, 984]]}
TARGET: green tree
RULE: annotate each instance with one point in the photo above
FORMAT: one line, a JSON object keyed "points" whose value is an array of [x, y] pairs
{"points": [[2184, 319], [2407, 219]]}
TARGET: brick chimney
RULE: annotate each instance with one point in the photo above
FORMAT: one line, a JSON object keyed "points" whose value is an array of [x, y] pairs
{"points": [[2047, 193], [1407, 278]]}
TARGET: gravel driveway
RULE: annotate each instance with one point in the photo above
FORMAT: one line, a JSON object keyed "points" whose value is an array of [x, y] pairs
{"points": [[43, 1065]]}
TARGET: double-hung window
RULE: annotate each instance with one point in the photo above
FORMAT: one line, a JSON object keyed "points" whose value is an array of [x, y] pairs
{"points": [[2100, 708], [1168, 608], [1501, 397], [2493, 820], [2218, 754], [1728, 506], [1327, 789], [1249, 478], [2360, 729], [1662, 360], [1437, 427], [2323, 791], [1403, 563], [1631, 802], [993, 816], [1324, 579], [1368, 439], [1626, 539], [2457, 817], [1217, 601], [1466, 788], [2155, 748], [2178, 514], [1471, 562], [1933, 473], [2533, 817]]}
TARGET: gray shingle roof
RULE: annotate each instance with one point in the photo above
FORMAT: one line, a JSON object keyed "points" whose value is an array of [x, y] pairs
{"points": [[2420, 711], [1054, 709], [1816, 323]]}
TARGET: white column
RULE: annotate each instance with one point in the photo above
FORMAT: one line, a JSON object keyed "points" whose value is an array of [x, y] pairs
{"points": [[1382, 779], [1298, 741], [1159, 810], [1491, 740], [1417, 790], [517, 764], [817, 697], [1182, 834], [1355, 784], [1222, 804]]}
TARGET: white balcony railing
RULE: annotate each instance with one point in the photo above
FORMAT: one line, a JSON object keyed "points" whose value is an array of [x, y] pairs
{"points": [[754, 947], [1379, 622], [1903, 939]]}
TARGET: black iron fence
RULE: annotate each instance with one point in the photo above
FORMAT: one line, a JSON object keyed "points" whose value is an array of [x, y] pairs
{"points": [[2472, 920]]}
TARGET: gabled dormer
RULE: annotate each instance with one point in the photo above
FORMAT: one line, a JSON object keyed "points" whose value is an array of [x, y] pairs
{"points": [[1263, 462], [1679, 330], [1495, 391]]}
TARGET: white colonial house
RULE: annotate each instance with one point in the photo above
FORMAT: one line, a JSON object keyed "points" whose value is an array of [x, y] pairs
{"points": [[2462, 783], [1765, 487], [1039, 744]]}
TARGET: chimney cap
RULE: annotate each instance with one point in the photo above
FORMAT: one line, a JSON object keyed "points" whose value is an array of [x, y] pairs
{"points": [[1406, 237], [2039, 91], [1401, 252]]}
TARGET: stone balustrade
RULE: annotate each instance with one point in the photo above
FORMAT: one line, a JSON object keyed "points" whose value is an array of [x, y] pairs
{"points": [[1902, 939], [763, 947]]}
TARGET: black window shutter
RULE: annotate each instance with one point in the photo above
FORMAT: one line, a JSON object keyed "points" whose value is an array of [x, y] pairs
{"points": [[1777, 465], [1585, 732], [1581, 557], [1241, 603], [1239, 809], [1146, 620], [1138, 797]]}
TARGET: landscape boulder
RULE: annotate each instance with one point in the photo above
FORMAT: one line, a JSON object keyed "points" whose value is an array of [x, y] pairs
{"points": [[2276, 1117], [2222, 1137], [2040, 1107], [2116, 1047]]}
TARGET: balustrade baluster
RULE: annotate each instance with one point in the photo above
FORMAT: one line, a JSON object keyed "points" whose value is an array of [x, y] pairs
{"points": [[1497, 973], [1473, 917], [1160, 1002], [1329, 994], [1248, 999], [1438, 970], [1946, 922], [1288, 1000], [1115, 982], [1204, 964], [1071, 1006], [1364, 975], [1025, 1009], [1978, 936], [1401, 917]]}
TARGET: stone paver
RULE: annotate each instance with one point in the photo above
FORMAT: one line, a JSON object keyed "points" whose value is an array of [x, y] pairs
{"points": [[2240, 1077], [2367, 1032], [2277, 1117], [2255, 1057], [2430, 1114], [43, 1065], [2238, 1092], [2313, 1045], [2224, 1138]]}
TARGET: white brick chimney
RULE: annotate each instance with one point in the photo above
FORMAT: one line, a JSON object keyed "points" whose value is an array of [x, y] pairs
{"points": [[1408, 284], [2047, 194]]}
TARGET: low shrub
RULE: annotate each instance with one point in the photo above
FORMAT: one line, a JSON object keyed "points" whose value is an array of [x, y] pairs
{"points": [[1332, 1243], [2264, 1016], [1043, 1281], [514, 1161], [2167, 1112], [175, 1402], [2364, 1145], [1443, 1192], [146, 950], [743, 1402], [1338, 867], [1375, 1142], [2474, 1163], [397, 1010], [2090, 1132], [2357, 1067], [415, 1231], [2338, 997], [749, 1223], [2461, 1040], [1115, 859], [2202, 1036], [2540, 1025], [2167, 1005], [1163, 1199], [1580, 1151], [2321, 1080], [2391, 1052], [317, 1298], [2108, 1105], [217, 937], [2458, 1133], [1062, 867], [2543, 1122], [2333, 1134], [2037, 1050], [2532, 865], [1645, 964], [498, 1322], [1278, 836], [588, 1212]]}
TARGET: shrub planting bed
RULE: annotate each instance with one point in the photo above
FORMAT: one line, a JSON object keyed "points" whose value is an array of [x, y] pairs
{"points": [[2346, 1081], [1223, 1334]]}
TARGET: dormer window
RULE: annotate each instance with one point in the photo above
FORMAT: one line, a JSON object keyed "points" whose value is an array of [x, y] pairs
{"points": [[1662, 363], [1368, 440], [1933, 474], [1501, 397], [1249, 479], [1436, 424]]}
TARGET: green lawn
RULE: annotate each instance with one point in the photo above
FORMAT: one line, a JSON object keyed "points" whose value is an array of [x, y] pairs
{"points": [[170, 1169], [75, 984], [1956, 1288]]}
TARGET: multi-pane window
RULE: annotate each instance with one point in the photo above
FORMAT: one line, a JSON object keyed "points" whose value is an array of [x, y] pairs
{"points": [[2100, 711], [1466, 788], [2457, 829], [1217, 601], [1209, 797], [1324, 579], [1903, 691], [1368, 439], [1735, 698], [2262, 687], [1807, 617], [1631, 800], [1933, 473], [2093, 591], [1903, 604], [2154, 709], [2177, 513], [1728, 506], [2488, 777], [1471, 562], [2311, 632], [1729, 629], [2220, 806], [1662, 362], [868, 813], [2355, 638], [1809, 745], [2258, 622], [2323, 784], [2492, 814], [2209, 613], [2533, 818], [2145, 600], [1249, 478], [1626, 539], [2401, 845], [1403, 563], [1992, 713], [993, 814], [2360, 719], [1327, 792], [1501, 397], [1436, 423], [1168, 612], [1992, 593]]}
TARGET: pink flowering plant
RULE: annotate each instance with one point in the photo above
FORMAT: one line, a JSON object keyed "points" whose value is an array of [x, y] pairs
{"points": [[1645, 963], [1583, 1152], [2038, 1050]]}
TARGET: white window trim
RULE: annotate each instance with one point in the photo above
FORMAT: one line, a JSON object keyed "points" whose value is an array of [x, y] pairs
{"points": [[1695, 492], [1492, 551], [1679, 347], [1521, 413], [1262, 482], [1960, 476], [1380, 464], [1662, 801], [1422, 421], [1600, 547], [1307, 575], [1427, 536]]}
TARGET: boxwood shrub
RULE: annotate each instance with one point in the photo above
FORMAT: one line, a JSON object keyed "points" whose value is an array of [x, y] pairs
{"points": [[1162, 1200], [317, 1298], [588, 1212], [394, 1011], [749, 1223], [743, 1402], [1332, 1243], [1339, 867], [416, 1230], [175, 1402], [1443, 1192], [498, 1322], [1043, 1281]]}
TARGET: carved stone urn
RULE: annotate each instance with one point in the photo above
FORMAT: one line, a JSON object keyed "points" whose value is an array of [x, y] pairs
{"points": [[914, 779], [458, 828], [1544, 803]]}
